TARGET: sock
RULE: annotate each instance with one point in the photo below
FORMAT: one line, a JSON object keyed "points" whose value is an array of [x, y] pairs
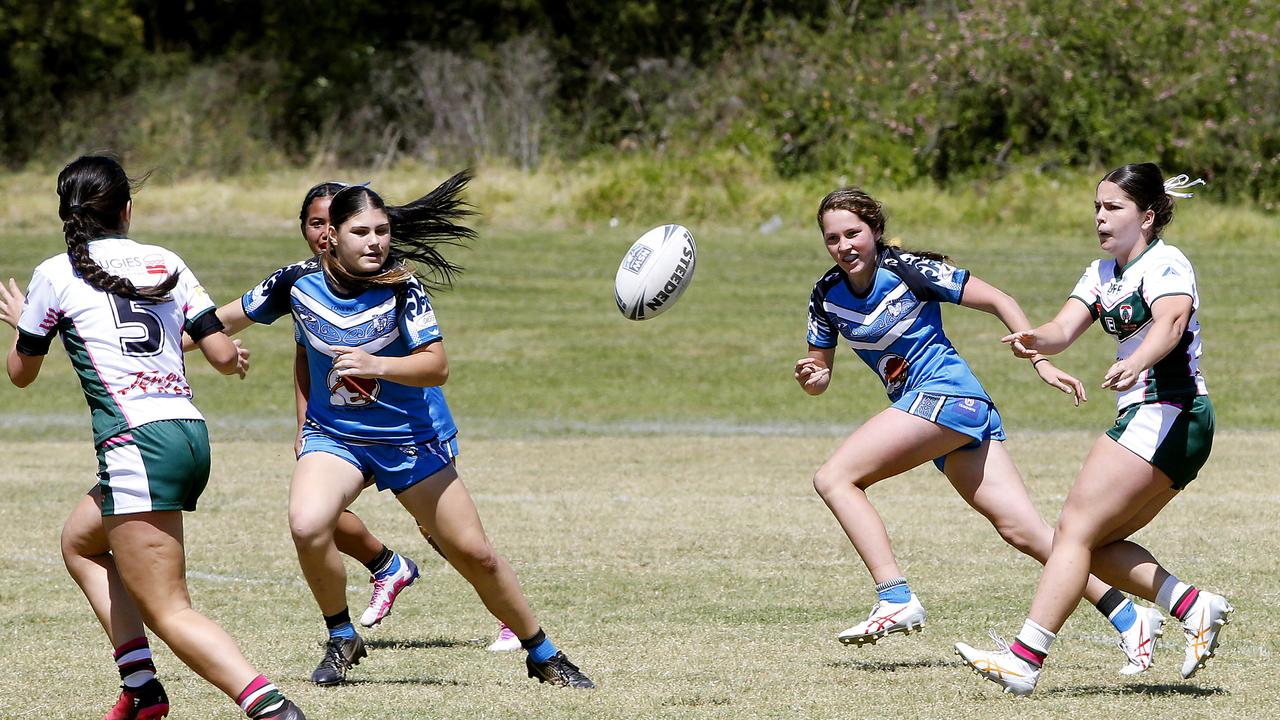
{"points": [[1118, 609], [539, 646], [340, 625], [260, 698], [1177, 597], [895, 591], [1032, 643], [133, 660], [381, 561]]}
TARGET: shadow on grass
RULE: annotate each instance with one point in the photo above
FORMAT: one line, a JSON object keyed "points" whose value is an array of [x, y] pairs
{"points": [[889, 665], [1158, 689], [417, 644], [420, 681]]}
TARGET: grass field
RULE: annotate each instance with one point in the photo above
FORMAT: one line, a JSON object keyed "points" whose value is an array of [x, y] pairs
{"points": [[689, 568], [692, 577]]}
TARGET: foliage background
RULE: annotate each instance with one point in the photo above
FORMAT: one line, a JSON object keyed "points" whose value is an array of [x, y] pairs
{"points": [[879, 92]]}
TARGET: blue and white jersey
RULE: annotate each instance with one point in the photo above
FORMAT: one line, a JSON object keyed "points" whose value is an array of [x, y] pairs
{"points": [[896, 326], [391, 322]]}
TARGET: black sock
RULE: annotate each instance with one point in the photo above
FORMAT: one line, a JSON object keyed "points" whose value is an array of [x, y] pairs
{"points": [[1108, 603], [380, 561], [338, 619]]}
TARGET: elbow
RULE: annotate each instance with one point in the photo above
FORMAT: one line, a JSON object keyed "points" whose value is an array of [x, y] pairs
{"points": [[442, 376]]}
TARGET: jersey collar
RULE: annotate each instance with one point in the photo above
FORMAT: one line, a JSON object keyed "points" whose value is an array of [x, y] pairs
{"points": [[1131, 263]]}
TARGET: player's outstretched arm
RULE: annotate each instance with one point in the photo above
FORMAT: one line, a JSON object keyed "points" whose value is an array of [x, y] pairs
{"points": [[427, 366], [1054, 336], [813, 371], [233, 321]]}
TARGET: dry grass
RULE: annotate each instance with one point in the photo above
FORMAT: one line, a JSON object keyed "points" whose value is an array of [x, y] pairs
{"points": [[691, 576]]}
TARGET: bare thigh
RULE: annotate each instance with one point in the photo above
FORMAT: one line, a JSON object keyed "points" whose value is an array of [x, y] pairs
{"points": [[890, 443]]}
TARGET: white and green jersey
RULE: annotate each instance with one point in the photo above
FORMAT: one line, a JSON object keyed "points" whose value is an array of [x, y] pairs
{"points": [[127, 353], [1120, 298]]}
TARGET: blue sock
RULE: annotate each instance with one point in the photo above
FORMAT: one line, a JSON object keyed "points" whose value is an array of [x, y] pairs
{"points": [[1124, 617], [895, 591], [345, 631], [540, 648], [392, 567]]}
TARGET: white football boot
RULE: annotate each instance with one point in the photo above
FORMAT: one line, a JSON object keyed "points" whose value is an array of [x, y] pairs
{"points": [[1203, 627], [886, 618], [1139, 641], [386, 590], [1001, 666], [507, 640]]}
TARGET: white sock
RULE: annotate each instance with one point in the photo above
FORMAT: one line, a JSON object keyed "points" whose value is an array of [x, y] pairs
{"points": [[1036, 637], [1170, 592]]}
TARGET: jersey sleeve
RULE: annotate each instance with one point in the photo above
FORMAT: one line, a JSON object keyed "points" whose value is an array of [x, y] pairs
{"points": [[417, 318], [191, 295], [1087, 288], [928, 279], [269, 299], [1168, 278], [41, 313], [821, 333]]}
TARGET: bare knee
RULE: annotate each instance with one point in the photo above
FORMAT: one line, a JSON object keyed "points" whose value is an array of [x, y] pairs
{"points": [[1025, 540], [829, 483], [477, 558], [309, 531]]}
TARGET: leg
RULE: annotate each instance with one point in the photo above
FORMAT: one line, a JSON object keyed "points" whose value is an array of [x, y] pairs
{"points": [[148, 553], [322, 486], [444, 509], [890, 443], [352, 537], [87, 556], [990, 483], [1101, 503]]}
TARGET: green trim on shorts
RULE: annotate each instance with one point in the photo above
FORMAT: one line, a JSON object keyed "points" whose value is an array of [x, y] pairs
{"points": [[1187, 444], [161, 465]]}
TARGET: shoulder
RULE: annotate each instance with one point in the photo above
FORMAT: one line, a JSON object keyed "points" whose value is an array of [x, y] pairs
{"points": [[53, 267], [829, 280], [1166, 254]]}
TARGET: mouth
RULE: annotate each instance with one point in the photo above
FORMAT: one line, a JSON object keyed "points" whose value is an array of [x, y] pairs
{"points": [[851, 258]]}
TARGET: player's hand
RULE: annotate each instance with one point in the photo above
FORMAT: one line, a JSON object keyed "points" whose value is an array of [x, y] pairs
{"points": [[1121, 376], [1023, 343], [242, 358], [354, 362], [813, 376], [1055, 377], [11, 300]]}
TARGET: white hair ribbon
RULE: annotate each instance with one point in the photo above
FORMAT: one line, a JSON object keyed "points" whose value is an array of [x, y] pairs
{"points": [[1178, 186]]}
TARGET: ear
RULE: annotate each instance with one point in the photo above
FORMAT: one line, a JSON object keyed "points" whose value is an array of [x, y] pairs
{"points": [[125, 216], [1148, 219]]}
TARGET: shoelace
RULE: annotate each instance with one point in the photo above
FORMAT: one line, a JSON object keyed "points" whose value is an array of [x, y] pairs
{"points": [[333, 655], [1001, 644], [874, 609]]}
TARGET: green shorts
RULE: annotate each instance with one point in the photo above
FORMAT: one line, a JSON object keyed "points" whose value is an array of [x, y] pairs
{"points": [[1175, 436], [162, 465]]}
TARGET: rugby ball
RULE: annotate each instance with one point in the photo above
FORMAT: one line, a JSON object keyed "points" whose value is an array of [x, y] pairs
{"points": [[655, 272]]}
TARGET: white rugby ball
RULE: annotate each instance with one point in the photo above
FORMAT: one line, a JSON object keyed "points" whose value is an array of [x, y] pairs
{"points": [[655, 272]]}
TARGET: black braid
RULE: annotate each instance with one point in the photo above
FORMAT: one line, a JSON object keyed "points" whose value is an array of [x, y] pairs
{"points": [[420, 227]]}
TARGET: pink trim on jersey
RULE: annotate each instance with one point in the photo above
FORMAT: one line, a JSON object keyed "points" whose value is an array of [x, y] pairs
{"points": [[128, 421], [124, 439]]}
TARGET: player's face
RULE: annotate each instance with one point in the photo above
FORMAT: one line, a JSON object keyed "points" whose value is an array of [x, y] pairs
{"points": [[363, 241], [850, 241], [315, 229], [1123, 230]]}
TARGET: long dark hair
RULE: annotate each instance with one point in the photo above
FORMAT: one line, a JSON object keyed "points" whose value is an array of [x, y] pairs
{"points": [[324, 189], [1144, 184], [418, 230], [858, 202], [93, 191]]}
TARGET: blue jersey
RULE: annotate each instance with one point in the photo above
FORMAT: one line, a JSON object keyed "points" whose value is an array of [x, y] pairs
{"points": [[386, 321], [896, 326]]}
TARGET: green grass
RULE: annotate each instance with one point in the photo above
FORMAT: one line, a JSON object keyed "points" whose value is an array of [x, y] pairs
{"points": [[690, 576], [537, 346]]}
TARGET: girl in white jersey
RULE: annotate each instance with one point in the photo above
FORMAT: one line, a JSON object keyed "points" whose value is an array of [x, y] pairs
{"points": [[121, 308], [885, 304], [1145, 296]]}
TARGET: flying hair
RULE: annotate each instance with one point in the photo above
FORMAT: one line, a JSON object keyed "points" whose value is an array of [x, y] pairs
{"points": [[419, 229]]}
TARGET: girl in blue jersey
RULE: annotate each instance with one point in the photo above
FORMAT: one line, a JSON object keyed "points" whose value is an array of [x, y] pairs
{"points": [[884, 303], [375, 359], [123, 542], [1145, 296]]}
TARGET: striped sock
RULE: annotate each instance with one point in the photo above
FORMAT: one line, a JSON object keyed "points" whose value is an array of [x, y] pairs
{"points": [[380, 561], [260, 698], [133, 660], [540, 647], [1032, 643], [1118, 609], [1177, 597], [894, 590]]}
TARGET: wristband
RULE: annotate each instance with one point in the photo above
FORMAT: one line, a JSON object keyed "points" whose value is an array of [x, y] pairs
{"points": [[1038, 360]]}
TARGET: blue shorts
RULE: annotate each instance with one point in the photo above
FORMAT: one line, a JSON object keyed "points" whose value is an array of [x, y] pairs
{"points": [[391, 467], [974, 417]]}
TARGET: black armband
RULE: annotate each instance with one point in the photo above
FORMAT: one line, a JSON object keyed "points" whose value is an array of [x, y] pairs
{"points": [[33, 345], [204, 325]]}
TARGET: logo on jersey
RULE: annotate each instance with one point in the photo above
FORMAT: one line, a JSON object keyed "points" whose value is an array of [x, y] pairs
{"points": [[155, 265], [893, 370], [1126, 313], [352, 391]]}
